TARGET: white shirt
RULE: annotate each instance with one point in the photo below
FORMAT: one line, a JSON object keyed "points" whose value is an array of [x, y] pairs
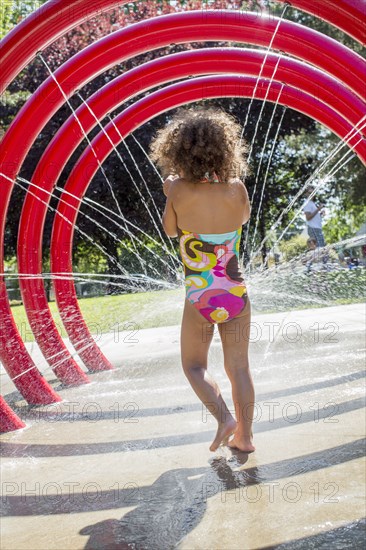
{"points": [[316, 221]]}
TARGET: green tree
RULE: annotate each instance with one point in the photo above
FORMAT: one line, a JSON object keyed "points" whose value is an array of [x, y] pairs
{"points": [[14, 11], [293, 247], [301, 145]]}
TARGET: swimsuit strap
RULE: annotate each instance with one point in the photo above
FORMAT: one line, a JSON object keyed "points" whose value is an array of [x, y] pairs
{"points": [[210, 178]]}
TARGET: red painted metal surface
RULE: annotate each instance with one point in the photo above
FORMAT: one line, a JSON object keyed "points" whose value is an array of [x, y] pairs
{"points": [[20, 46], [155, 33], [40, 29], [57, 17], [16, 359], [18, 363], [133, 117], [205, 61], [9, 421], [348, 15]]}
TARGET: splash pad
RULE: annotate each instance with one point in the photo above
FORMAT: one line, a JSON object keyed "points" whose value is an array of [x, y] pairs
{"points": [[322, 79]]}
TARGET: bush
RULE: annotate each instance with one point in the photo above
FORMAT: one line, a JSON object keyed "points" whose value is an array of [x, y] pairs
{"points": [[279, 291], [293, 247]]}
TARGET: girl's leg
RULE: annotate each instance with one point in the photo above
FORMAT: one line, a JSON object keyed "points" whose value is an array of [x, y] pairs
{"points": [[235, 341], [196, 337]]}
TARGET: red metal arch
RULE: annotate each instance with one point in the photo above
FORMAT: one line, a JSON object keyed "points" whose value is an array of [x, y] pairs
{"points": [[134, 116], [233, 27], [56, 18], [9, 421], [205, 61], [159, 71], [347, 15]]}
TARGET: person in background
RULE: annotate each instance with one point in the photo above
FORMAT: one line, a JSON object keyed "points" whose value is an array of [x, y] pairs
{"points": [[313, 214], [310, 255]]}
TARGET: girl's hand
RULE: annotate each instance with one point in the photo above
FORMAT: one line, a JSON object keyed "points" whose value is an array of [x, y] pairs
{"points": [[168, 183]]}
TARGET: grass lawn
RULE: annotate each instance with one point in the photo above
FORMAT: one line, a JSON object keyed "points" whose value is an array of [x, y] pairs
{"points": [[102, 314], [144, 310]]}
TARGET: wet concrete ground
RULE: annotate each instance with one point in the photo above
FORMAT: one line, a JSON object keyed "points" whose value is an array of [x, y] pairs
{"points": [[123, 462]]}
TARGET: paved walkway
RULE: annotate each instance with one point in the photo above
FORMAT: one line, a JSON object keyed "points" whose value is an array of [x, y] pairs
{"points": [[123, 462]]}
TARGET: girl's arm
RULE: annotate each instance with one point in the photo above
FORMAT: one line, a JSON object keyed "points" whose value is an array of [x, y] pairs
{"points": [[245, 198], [169, 216]]}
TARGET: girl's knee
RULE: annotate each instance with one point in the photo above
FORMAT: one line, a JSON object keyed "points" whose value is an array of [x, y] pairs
{"points": [[237, 366], [191, 369]]}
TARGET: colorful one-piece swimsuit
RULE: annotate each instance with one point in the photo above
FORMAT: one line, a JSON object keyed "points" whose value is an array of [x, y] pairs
{"points": [[213, 279]]}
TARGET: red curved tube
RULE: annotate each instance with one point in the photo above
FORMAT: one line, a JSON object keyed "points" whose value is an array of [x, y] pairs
{"points": [[17, 361], [36, 32], [348, 15], [136, 115], [9, 421], [183, 27], [159, 71], [41, 28], [54, 19]]}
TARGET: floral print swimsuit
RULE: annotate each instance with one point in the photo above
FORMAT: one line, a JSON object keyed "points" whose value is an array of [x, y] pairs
{"points": [[213, 279]]}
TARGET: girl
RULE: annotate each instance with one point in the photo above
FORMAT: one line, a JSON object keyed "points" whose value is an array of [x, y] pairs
{"points": [[206, 206]]}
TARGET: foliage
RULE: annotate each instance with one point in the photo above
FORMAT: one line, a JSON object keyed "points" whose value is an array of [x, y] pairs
{"points": [[287, 290], [88, 259], [341, 187], [279, 292], [107, 314], [10, 104], [293, 247], [344, 224], [302, 145], [13, 11]]}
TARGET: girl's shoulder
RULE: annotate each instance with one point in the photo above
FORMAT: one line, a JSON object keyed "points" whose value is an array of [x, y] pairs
{"points": [[237, 182], [182, 184]]}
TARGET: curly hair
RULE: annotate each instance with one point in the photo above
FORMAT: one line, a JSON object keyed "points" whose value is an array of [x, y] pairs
{"points": [[200, 142]]}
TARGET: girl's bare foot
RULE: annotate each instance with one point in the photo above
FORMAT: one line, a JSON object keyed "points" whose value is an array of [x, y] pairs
{"points": [[242, 443], [224, 431]]}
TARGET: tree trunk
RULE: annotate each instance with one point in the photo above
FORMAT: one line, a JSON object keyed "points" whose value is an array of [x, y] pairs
{"points": [[110, 246], [262, 232]]}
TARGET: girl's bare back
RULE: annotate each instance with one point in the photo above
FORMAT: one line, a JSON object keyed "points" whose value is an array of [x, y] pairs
{"points": [[210, 207]]}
